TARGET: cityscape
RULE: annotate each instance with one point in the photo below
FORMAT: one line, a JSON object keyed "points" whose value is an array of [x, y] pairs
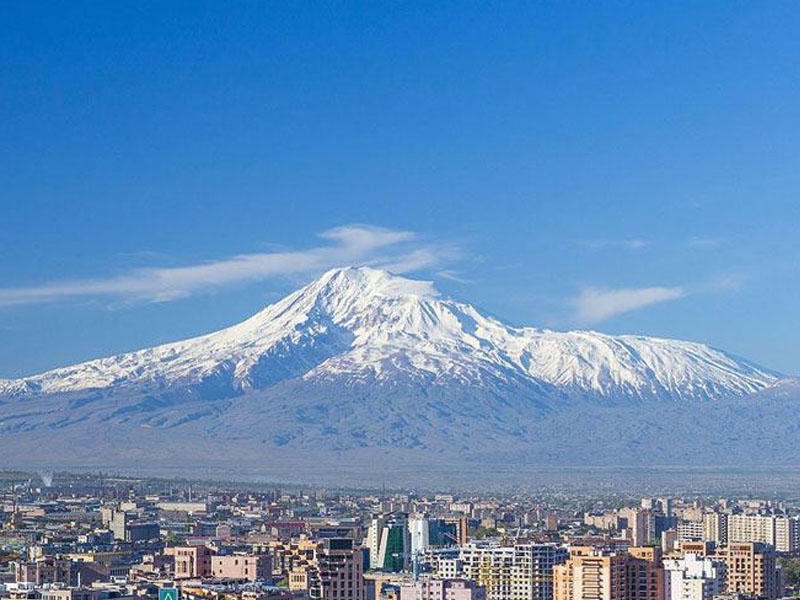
{"points": [[99, 536], [399, 300]]}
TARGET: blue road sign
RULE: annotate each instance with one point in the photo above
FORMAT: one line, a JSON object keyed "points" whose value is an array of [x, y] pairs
{"points": [[168, 594]]}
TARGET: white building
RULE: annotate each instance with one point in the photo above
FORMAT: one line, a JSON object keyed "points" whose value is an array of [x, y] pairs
{"points": [[389, 543], [520, 572], [779, 532], [693, 578], [433, 588], [419, 531], [690, 530], [715, 527]]}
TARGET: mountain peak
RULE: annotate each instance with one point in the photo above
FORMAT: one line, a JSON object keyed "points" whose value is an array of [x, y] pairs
{"points": [[368, 281], [366, 324], [367, 362]]}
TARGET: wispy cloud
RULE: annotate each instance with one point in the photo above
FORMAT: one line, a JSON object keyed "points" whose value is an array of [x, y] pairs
{"points": [[728, 282], [452, 275], [704, 242], [627, 244], [594, 305], [398, 251]]}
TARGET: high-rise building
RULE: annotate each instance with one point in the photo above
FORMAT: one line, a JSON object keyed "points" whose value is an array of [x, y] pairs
{"points": [[389, 543], [334, 571], [669, 539], [115, 520], [778, 531], [640, 525], [520, 572], [693, 577], [750, 569], [690, 530], [419, 535], [425, 533], [597, 574], [715, 527], [645, 573], [591, 574]]}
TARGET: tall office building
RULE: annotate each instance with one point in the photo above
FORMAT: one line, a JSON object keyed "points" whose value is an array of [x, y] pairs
{"points": [[419, 535], [427, 533], [389, 543]]}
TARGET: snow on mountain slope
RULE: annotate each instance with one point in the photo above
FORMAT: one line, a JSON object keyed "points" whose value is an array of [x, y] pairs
{"points": [[360, 325]]}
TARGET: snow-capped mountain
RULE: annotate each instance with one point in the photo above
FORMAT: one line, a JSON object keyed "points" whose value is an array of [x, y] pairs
{"points": [[367, 324], [363, 363]]}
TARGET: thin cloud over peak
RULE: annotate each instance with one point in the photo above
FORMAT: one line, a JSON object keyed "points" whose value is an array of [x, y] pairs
{"points": [[595, 305], [395, 250]]}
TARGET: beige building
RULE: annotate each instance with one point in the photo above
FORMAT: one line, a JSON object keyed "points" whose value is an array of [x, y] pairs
{"points": [[594, 574], [715, 527], [590, 574], [750, 569], [645, 573], [191, 562], [250, 567], [334, 571], [287, 556]]}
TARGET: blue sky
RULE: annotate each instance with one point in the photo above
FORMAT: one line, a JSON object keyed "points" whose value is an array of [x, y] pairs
{"points": [[168, 169]]}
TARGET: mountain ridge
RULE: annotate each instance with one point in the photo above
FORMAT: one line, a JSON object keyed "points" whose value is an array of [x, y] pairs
{"points": [[362, 373], [353, 317]]}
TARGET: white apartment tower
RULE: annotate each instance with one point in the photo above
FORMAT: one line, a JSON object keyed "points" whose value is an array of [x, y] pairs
{"points": [[693, 578]]}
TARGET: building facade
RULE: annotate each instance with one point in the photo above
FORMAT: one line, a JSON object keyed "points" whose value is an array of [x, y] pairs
{"points": [[693, 577]]}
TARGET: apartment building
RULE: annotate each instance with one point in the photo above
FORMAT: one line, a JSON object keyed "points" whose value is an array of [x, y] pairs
{"points": [[598, 574], [334, 572], [778, 531], [520, 572], [715, 527], [591, 574], [693, 577], [435, 588], [750, 569], [645, 573]]}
